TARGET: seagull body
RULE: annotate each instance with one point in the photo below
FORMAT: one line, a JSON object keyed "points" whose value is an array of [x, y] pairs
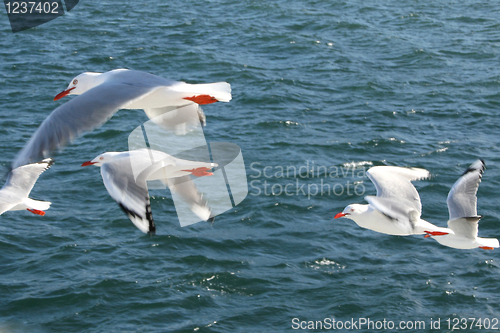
{"points": [[462, 208], [14, 195], [125, 176], [102, 94], [368, 217], [396, 209], [161, 92]]}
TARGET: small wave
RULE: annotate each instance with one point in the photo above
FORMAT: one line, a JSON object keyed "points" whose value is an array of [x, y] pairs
{"points": [[355, 165], [394, 139], [289, 122], [332, 265], [440, 150]]}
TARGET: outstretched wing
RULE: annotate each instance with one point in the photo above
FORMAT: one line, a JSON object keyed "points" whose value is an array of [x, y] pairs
{"points": [[132, 197], [462, 200], [395, 182], [79, 115], [22, 179], [20, 182]]}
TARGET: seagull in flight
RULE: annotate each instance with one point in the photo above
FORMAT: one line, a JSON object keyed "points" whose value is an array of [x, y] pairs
{"points": [[14, 195], [125, 176], [396, 209], [101, 95], [462, 207]]}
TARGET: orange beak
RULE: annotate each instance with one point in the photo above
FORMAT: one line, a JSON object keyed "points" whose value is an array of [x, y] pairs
{"points": [[63, 93], [87, 163], [434, 233], [37, 212], [200, 172], [339, 215], [486, 248]]}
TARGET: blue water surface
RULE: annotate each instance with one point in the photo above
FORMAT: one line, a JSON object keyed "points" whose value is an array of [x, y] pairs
{"points": [[322, 90]]}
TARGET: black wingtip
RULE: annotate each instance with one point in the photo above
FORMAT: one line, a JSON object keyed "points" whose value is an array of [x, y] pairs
{"points": [[474, 166], [128, 211], [149, 216], [50, 161]]}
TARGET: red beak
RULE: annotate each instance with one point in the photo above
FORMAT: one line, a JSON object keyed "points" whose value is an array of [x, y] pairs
{"points": [[200, 172], [434, 233], [87, 163], [63, 94], [339, 215]]}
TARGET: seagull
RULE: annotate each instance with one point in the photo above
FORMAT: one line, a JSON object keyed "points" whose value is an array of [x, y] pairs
{"points": [[125, 176], [100, 95], [397, 208], [462, 207], [14, 194]]}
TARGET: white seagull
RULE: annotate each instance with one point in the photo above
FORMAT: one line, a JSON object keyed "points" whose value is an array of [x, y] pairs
{"points": [[462, 206], [397, 208], [125, 176], [102, 94], [14, 195]]}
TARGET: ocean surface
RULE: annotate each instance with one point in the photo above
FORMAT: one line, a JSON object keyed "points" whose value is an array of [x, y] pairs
{"points": [[322, 90]]}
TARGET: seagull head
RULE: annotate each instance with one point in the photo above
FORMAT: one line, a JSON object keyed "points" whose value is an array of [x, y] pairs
{"points": [[101, 159], [80, 84], [352, 210]]}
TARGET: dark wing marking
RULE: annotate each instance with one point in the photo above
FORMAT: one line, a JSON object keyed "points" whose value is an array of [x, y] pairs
{"points": [[132, 197]]}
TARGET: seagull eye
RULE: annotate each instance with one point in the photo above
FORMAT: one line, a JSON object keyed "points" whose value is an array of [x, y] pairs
{"points": [[352, 209], [75, 81], [101, 158]]}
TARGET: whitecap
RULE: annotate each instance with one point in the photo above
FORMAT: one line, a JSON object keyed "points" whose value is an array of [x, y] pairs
{"points": [[356, 164]]}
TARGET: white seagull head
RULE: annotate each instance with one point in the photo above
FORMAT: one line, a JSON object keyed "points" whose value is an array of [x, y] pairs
{"points": [[352, 210], [101, 159], [80, 84]]}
